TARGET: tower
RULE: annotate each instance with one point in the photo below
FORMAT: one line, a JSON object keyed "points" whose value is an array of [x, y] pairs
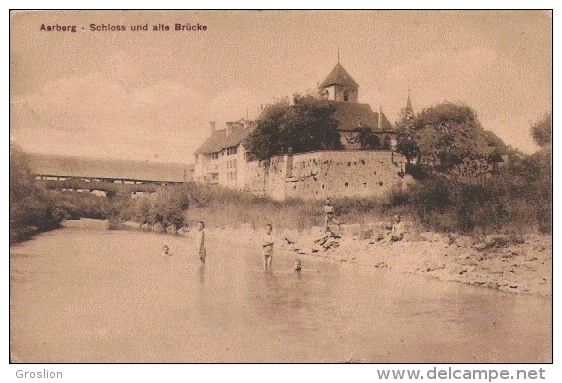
{"points": [[408, 111], [340, 86]]}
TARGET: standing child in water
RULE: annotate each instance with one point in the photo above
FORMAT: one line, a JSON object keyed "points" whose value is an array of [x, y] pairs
{"points": [[267, 246], [200, 241]]}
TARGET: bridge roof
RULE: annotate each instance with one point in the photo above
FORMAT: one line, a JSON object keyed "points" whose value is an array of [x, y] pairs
{"points": [[105, 168]]}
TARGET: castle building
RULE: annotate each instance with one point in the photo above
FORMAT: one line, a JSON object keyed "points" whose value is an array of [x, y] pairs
{"points": [[223, 159], [343, 92]]}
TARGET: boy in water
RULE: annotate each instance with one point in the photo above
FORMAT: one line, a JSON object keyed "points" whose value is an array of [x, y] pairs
{"points": [[267, 246], [166, 251], [200, 241], [297, 264]]}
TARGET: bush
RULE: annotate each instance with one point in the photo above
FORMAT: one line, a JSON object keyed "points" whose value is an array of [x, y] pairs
{"points": [[519, 199], [166, 207], [82, 205], [418, 171]]}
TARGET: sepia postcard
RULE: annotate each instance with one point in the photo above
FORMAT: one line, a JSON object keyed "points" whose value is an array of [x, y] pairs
{"points": [[282, 187]]}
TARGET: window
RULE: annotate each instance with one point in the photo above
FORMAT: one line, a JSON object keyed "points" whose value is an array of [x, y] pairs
{"points": [[346, 95]]}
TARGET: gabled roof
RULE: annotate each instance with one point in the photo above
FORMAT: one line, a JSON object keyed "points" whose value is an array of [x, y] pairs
{"points": [[339, 76], [213, 143], [350, 114], [237, 135], [219, 139]]}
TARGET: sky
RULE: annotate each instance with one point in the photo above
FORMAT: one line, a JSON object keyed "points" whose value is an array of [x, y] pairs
{"points": [[150, 95]]}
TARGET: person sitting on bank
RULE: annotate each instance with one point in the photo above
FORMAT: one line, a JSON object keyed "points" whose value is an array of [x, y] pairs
{"points": [[397, 232]]}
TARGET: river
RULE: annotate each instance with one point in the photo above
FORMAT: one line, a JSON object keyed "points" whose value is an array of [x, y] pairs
{"points": [[81, 295]]}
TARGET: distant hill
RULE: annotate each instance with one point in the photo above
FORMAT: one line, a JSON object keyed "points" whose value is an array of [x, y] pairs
{"points": [[49, 164]]}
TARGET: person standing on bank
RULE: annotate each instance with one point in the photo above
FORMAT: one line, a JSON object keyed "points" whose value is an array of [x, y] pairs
{"points": [[267, 246], [329, 214], [200, 241]]}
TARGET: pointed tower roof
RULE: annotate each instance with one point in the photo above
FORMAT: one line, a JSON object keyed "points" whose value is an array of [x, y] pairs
{"points": [[409, 104], [339, 76]]}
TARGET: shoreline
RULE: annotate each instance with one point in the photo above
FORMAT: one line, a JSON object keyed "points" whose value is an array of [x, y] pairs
{"points": [[521, 266]]}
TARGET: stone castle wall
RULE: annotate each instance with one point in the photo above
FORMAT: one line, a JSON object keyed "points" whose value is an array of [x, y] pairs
{"points": [[317, 175]]}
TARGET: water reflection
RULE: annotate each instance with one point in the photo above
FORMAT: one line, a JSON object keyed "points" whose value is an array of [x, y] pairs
{"points": [[201, 272]]}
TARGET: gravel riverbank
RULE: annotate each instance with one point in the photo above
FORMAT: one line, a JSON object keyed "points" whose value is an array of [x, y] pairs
{"points": [[522, 265]]}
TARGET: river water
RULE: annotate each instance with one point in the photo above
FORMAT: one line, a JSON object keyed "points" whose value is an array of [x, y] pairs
{"points": [[109, 296]]}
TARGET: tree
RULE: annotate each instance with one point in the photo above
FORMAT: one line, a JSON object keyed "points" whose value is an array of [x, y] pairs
{"points": [[542, 130], [367, 139], [448, 133], [406, 144], [304, 126], [21, 183], [31, 208], [264, 141]]}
